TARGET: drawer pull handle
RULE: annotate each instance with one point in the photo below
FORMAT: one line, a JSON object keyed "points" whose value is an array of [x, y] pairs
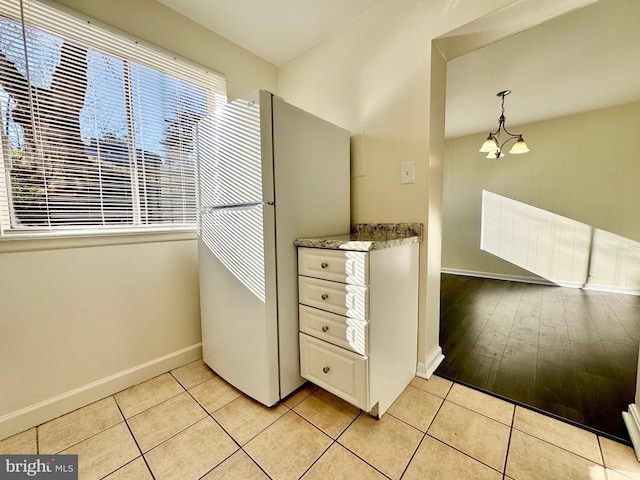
{"points": [[325, 328], [324, 264], [325, 296], [326, 369]]}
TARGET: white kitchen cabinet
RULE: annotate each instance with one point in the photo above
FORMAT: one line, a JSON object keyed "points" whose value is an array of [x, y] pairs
{"points": [[358, 316]]}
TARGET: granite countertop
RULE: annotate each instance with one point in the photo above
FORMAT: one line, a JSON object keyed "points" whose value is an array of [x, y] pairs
{"points": [[367, 236]]}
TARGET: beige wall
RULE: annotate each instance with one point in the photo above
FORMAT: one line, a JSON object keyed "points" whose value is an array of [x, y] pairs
{"points": [[72, 316], [374, 79], [83, 321], [584, 167]]}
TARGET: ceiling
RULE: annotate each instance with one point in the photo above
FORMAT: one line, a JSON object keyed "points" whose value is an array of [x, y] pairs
{"points": [[275, 30], [584, 60]]}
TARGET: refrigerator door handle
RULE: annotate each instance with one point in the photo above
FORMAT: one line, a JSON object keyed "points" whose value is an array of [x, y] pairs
{"points": [[235, 206]]}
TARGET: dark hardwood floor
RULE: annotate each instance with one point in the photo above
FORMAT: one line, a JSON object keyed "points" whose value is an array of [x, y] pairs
{"points": [[569, 352]]}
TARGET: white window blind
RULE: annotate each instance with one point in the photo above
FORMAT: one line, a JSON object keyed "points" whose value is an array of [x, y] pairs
{"points": [[97, 129]]}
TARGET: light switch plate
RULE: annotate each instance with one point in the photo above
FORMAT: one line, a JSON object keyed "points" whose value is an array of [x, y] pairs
{"points": [[407, 174]]}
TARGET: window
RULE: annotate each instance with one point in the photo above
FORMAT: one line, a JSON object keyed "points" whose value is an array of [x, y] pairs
{"points": [[97, 130]]}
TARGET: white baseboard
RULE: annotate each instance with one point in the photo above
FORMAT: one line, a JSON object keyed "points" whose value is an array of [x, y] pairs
{"points": [[543, 281], [564, 283], [610, 289], [497, 276], [33, 415], [426, 369], [632, 422]]}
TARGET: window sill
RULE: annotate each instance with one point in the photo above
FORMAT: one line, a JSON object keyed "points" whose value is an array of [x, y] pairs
{"points": [[53, 241]]}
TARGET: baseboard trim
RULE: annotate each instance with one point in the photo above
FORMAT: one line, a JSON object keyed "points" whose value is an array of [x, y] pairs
{"points": [[33, 415], [426, 369], [632, 422], [610, 289], [543, 281], [497, 276]]}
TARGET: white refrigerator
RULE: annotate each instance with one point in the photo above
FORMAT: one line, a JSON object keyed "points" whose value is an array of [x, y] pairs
{"points": [[268, 173]]}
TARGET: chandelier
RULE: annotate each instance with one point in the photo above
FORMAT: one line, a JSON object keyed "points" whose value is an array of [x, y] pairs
{"points": [[492, 145]]}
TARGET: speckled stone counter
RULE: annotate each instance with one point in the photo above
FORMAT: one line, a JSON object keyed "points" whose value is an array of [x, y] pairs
{"points": [[367, 236]]}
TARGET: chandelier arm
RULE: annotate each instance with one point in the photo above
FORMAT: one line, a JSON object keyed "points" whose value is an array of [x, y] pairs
{"points": [[509, 133], [512, 137], [500, 125]]}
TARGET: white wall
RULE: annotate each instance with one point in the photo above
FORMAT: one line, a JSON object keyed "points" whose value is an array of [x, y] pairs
{"points": [[583, 167], [83, 321]]}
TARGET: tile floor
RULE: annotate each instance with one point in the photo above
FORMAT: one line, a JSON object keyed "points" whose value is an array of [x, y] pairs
{"points": [[190, 424]]}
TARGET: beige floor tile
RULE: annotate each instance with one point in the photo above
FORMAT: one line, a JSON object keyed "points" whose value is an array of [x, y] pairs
{"points": [[476, 435], [159, 423], [147, 394], [436, 385], [387, 444], [435, 460], [613, 475], [467, 438], [62, 432], [191, 453], [136, 470], [327, 412], [558, 433], [105, 452], [416, 407], [193, 374], [214, 394], [299, 395], [244, 418], [534, 459], [482, 403], [237, 466], [620, 457], [338, 463], [287, 448], [23, 443]]}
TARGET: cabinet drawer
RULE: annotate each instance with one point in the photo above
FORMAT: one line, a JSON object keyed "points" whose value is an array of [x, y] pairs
{"points": [[336, 265], [339, 371], [346, 300], [344, 332]]}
